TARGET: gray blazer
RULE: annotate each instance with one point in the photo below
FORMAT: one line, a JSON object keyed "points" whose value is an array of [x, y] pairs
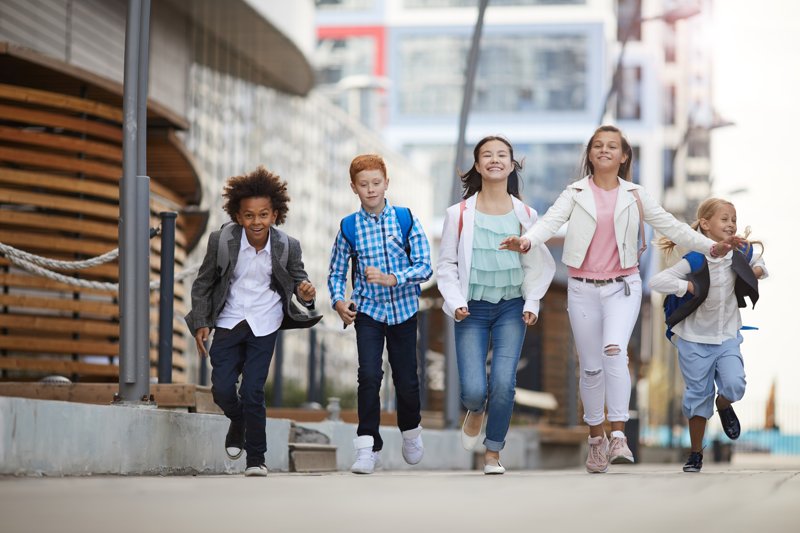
{"points": [[210, 289]]}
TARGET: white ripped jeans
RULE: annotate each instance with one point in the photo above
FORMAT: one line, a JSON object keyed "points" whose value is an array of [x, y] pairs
{"points": [[602, 319]]}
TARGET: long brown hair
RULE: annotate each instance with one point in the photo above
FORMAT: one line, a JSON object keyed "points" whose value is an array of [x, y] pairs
{"points": [[625, 168], [705, 211]]}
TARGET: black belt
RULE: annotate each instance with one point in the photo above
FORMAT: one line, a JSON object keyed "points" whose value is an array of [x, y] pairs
{"points": [[601, 281]]}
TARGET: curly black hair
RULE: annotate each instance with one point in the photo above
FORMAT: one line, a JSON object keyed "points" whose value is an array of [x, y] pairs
{"points": [[261, 183]]}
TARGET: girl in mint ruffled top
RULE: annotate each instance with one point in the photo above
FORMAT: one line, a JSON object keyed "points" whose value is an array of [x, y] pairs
{"points": [[492, 294]]}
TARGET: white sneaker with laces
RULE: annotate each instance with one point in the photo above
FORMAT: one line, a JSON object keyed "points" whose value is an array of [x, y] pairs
{"points": [[366, 460], [597, 460], [412, 445], [619, 452]]}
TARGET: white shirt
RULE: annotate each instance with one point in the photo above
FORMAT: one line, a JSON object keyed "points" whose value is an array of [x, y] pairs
{"points": [[250, 297], [718, 318]]}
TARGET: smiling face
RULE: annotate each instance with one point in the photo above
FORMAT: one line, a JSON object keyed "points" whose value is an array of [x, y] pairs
{"points": [[256, 215], [494, 161], [720, 225], [606, 153], [370, 186]]}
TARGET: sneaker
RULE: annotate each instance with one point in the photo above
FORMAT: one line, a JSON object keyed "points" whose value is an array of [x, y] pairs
{"points": [[618, 451], [366, 459], [493, 467], [259, 470], [694, 463], [597, 460], [234, 440], [730, 423], [412, 445]]}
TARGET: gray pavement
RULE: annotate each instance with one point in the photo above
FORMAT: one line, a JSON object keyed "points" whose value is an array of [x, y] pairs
{"points": [[759, 494]]}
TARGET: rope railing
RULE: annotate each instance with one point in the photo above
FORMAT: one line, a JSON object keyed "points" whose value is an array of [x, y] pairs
{"points": [[41, 266]]}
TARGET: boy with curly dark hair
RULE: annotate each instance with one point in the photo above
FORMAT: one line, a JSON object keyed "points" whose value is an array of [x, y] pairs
{"points": [[244, 292]]}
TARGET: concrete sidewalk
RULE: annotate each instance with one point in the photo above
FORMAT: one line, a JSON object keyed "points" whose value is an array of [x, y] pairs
{"points": [[642, 498]]}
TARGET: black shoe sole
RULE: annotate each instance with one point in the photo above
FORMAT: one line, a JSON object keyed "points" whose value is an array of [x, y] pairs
{"points": [[692, 469]]}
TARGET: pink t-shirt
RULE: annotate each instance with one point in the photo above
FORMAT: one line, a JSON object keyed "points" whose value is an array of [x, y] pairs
{"points": [[602, 257]]}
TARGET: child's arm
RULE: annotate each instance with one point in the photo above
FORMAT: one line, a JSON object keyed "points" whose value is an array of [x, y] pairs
{"points": [[337, 270], [420, 269], [303, 288], [447, 277], [673, 280], [758, 266]]}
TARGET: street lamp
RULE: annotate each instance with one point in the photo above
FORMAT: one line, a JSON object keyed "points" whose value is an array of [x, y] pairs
{"points": [[670, 17]]}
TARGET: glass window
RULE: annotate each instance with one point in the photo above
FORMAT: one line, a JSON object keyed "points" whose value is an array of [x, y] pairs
{"points": [[669, 105], [699, 143], [335, 59], [540, 73], [669, 168]]}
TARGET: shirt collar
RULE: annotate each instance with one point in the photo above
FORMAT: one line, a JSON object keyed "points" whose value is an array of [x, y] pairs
{"points": [[386, 206], [245, 244]]}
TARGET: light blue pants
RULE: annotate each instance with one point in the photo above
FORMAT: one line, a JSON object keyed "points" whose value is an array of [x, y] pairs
{"points": [[703, 365], [502, 324]]}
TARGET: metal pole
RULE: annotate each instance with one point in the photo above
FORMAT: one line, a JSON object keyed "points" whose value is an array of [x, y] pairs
{"points": [[128, 390], [469, 85], [277, 380], [311, 394], [166, 296], [134, 261], [452, 402], [452, 388]]}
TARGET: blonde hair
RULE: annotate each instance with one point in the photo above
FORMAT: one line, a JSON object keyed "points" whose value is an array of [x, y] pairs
{"points": [[705, 211]]}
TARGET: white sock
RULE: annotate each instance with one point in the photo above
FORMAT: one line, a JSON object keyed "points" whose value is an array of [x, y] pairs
{"points": [[618, 434]]}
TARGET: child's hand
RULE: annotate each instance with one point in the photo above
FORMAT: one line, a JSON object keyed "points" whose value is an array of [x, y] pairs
{"points": [[529, 318], [374, 275], [306, 291], [346, 310], [516, 244], [461, 313], [726, 245], [201, 337], [690, 288], [758, 271]]}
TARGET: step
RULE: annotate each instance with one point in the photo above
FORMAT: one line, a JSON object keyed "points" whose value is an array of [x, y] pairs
{"points": [[311, 457]]}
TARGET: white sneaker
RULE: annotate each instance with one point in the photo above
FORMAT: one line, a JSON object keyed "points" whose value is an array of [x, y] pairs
{"points": [[412, 445], [366, 459], [256, 471], [493, 467]]}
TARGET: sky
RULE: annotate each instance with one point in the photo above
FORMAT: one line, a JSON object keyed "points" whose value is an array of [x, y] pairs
{"points": [[756, 84]]}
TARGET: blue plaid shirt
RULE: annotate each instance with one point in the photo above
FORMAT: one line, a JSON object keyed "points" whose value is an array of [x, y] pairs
{"points": [[379, 243]]}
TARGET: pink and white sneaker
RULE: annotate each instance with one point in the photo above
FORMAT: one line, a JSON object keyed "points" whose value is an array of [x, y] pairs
{"points": [[597, 460], [618, 451]]}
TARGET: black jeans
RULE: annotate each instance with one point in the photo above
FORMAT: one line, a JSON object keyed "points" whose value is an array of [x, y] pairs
{"points": [[401, 343], [237, 351]]}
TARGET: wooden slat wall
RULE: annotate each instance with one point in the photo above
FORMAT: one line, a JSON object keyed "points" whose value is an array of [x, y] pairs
{"points": [[60, 163]]}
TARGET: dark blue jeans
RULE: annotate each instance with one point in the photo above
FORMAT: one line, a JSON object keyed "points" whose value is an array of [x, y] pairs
{"points": [[237, 351], [401, 343]]}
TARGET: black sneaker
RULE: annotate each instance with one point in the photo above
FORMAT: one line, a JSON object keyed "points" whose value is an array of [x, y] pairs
{"points": [[234, 440], [694, 463], [730, 423]]}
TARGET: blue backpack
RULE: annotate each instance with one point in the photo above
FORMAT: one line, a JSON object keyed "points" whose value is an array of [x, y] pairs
{"points": [[348, 229], [673, 301]]}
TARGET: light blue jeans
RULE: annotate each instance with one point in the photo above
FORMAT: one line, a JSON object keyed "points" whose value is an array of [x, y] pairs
{"points": [[502, 325]]}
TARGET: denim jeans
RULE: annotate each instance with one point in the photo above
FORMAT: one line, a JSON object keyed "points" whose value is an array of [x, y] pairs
{"points": [[401, 343], [237, 351], [502, 325]]}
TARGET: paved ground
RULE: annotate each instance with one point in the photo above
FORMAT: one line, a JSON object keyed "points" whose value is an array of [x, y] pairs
{"points": [[754, 496]]}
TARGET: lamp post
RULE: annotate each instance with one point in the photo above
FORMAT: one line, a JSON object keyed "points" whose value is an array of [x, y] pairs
{"points": [[670, 17]]}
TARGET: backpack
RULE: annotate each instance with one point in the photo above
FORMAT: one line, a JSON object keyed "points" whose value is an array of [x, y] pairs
{"points": [[348, 229], [672, 302]]}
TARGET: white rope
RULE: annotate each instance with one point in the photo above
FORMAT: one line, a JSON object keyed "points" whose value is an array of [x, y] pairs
{"points": [[31, 263]]}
